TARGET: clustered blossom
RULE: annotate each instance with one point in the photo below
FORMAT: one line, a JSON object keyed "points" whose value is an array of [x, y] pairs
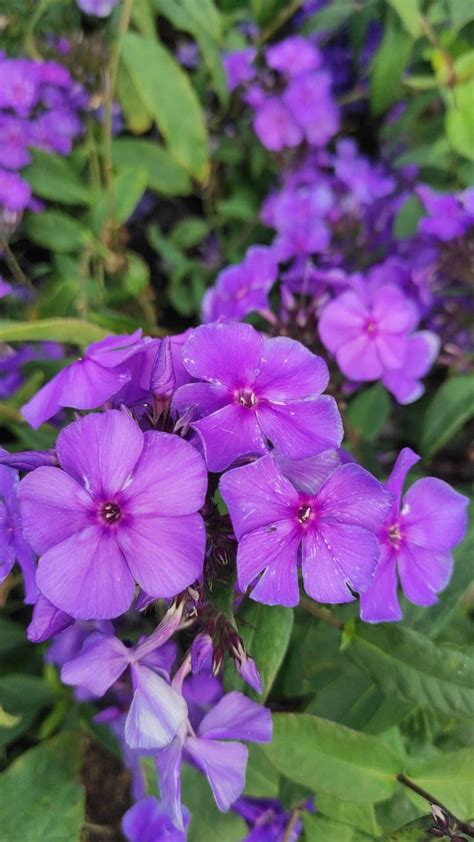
{"points": [[41, 107]]}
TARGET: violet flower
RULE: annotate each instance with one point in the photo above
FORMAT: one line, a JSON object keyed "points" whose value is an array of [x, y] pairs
{"points": [[267, 820], [121, 508], [157, 710], [98, 8], [308, 99], [147, 821], [293, 55], [243, 288], [239, 67], [329, 531], [252, 391], [13, 545], [416, 540], [275, 125], [448, 217]]}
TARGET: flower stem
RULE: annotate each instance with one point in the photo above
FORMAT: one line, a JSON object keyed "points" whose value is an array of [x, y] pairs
{"points": [[13, 264], [321, 613], [465, 827]]}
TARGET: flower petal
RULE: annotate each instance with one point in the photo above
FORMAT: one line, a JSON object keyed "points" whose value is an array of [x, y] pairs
{"points": [[302, 429], [342, 321], [86, 576], [204, 397], [352, 495], [379, 604], [434, 515], [423, 573], [168, 764], [359, 360], [393, 311], [236, 717], [165, 554], [323, 579], [53, 507], [101, 662], [274, 550], [404, 462], [228, 434], [290, 372], [47, 621], [224, 766], [228, 353], [156, 712]]}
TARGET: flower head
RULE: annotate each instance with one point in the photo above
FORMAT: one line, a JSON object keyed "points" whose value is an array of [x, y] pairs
{"points": [[416, 540], [121, 508], [98, 8], [239, 67], [147, 821], [253, 391], [242, 289], [328, 530], [293, 55]]}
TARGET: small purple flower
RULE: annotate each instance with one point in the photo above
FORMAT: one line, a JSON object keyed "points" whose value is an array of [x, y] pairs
{"points": [[308, 98], [13, 142], [209, 741], [368, 331], [242, 289], [19, 84], [98, 8], [147, 821], [121, 508], [330, 531], [157, 711], [299, 217], [275, 125], [365, 181], [416, 540], [15, 193], [267, 820], [105, 369], [448, 217], [239, 67], [253, 391], [13, 546], [293, 55]]}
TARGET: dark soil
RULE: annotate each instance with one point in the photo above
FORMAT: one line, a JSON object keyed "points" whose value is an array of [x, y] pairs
{"points": [[107, 786]]}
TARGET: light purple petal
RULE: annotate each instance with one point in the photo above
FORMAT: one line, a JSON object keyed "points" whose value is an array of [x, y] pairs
{"points": [[205, 397], [393, 311], [53, 507], [236, 717], [359, 360], [274, 550], [224, 766], [302, 429], [148, 821], [26, 559], [228, 434], [101, 451], [380, 603], [168, 764], [101, 662], [404, 462], [165, 554], [434, 515], [309, 474], [156, 713], [290, 372], [392, 349], [322, 579], [423, 573], [86, 576], [257, 495], [352, 495], [335, 556], [342, 321], [224, 352], [114, 350], [170, 478], [47, 621]]}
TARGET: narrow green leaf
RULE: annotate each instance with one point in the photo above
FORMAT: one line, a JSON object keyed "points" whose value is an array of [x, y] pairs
{"points": [[409, 13], [170, 97], [23, 696], [451, 407], [57, 231], [137, 116], [53, 177], [319, 828], [369, 410], [449, 778], [324, 755], [72, 331], [40, 794], [417, 831], [387, 68], [460, 127], [164, 174], [409, 665], [406, 220]]}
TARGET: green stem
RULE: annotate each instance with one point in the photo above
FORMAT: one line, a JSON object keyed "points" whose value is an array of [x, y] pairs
{"points": [[280, 20], [13, 264], [465, 827], [29, 42], [321, 613]]}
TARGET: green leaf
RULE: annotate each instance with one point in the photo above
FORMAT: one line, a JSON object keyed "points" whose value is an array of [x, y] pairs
{"points": [[460, 127], [266, 632], [7, 720], [417, 831], [128, 187], [451, 407], [409, 13], [40, 794], [71, 331], [137, 274], [387, 68], [329, 18], [137, 116], [460, 12], [449, 778], [57, 231], [164, 174], [12, 635], [369, 411], [189, 232], [261, 779], [324, 755], [170, 97], [24, 696], [52, 177], [207, 822], [319, 828], [406, 220], [403, 662], [361, 816]]}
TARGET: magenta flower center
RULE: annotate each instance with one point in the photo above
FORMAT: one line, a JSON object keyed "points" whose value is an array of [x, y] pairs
{"points": [[371, 327], [246, 397], [304, 513], [110, 513], [394, 534]]}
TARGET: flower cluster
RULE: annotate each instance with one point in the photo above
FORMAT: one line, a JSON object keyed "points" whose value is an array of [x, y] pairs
{"points": [[40, 107], [123, 513]]}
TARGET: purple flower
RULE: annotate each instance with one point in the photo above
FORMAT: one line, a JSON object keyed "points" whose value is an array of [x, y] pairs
{"points": [[448, 218], [147, 821], [298, 216], [275, 125], [99, 8], [253, 391], [239, 67], [329, 531], [266, 819], [242, 289], [157, 710], [365, 181], [309, 101], [121, 508], [47, 621], [209, 742], [293, 55], [19, 84], [15, 193], [416, 540], [13, 143], [404, 382], [13, 546], [100, 375], [368, 332]]}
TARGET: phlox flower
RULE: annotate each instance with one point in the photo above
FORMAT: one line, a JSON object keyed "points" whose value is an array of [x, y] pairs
{"points": [[98, 8], [293, 55], [254, 390], [239, 67], [122, 507], [416, 541], [147, 821], [243, 288], [328, 530], [309, 101], [13, 546], [275, 125]]}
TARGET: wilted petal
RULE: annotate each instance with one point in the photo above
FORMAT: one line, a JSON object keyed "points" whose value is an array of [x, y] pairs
{"points": [[156, 711], [101, 662], [224, 766], [28, 460], [236, 717], [168, 764], [47, 621]]}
